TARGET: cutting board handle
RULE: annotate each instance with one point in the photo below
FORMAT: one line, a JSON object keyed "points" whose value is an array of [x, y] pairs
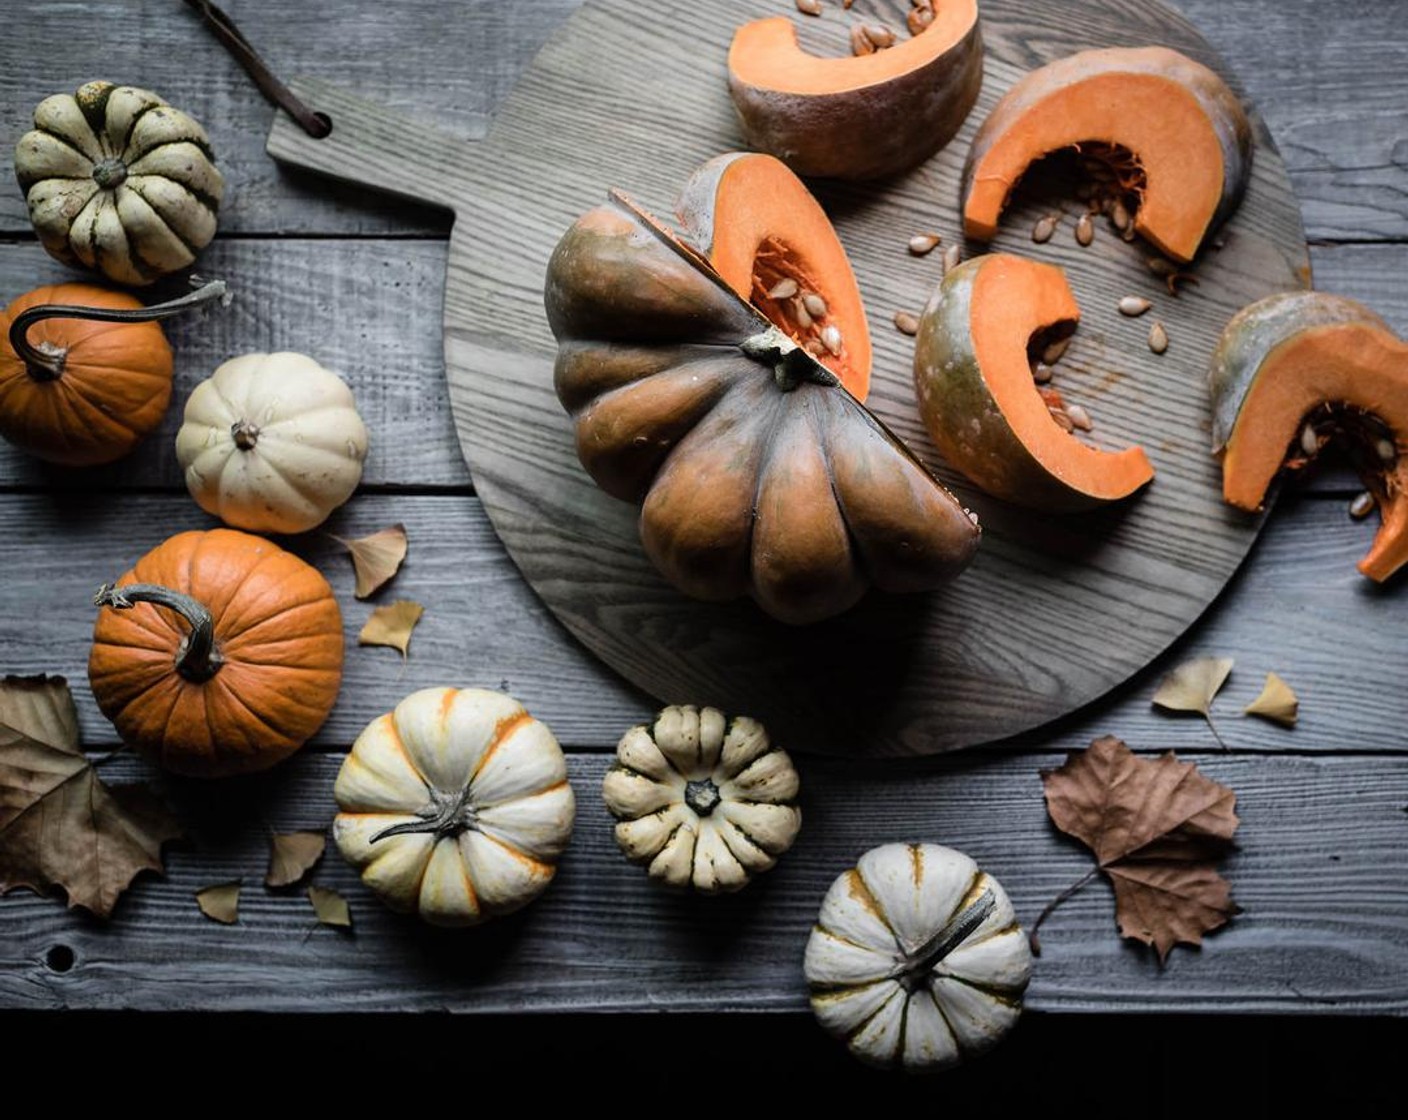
{"points": [[372, 146]]}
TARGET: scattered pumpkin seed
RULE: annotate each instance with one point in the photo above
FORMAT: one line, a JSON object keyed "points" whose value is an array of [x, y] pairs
{"points": [[952, 256], [1161, 267], [1059, 415], [1120, 215], [1042, 373], [1173, 279], [785, 288], [1079, 418], [1362, 506], [919, 18], [907, 323], [1386, 450], [809, 7], [923, 243], [1044, 228], [801, 314], [879, 35], [831, 338], [860, 41], [815, 305], [1085, 230], [1309, 441], [1055, 351], [1158, 338], [1134, 306]]}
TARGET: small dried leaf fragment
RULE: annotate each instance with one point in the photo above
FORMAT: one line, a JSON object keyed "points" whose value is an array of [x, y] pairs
{"points": [[40, 708], [391, 625], [1192, 685], [330, 907], [1156, 827], [1277, 702], [220, 903], [376, 558], [292, 855]]}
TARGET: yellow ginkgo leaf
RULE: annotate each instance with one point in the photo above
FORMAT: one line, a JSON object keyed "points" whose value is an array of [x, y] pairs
{"points": [[391, 625], [292, 855], [1277, 702], [1192, 685], [330, 907], [220, 903], [376, 558]]}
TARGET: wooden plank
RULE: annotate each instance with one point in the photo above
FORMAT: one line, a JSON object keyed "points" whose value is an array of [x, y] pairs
{"points": [[1332, 91], [1298, 608], [1319, 871]]}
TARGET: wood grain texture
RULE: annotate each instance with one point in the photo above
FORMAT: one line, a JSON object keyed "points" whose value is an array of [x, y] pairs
{"points": [[1319, 871], [1298, 608], [1137, 574]]}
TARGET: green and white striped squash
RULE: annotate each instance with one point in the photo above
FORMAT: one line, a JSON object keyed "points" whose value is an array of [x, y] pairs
{"points": [[119, 181]]}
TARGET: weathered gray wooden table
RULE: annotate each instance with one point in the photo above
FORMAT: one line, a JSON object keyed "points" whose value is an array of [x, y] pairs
{"points": [[1322, 868]]}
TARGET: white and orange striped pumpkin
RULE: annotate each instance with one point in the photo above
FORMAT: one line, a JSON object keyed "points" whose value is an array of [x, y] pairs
{"points": [[455, 806]]}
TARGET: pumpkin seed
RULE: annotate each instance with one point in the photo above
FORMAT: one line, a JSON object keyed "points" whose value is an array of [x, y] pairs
{"points": [[907, 323], [1128, 234], [1119, 215], [809, 7], [1085, 230], [923, 243], [1079, 418], [1042, 373], [1309, 441], [1362, 506], [815, 305], [814, 347], [1134, 306], [1059, 415], [801, 314], [1161, 267], [860, 41], [1044, 228], [785, 288], [1055, 351], [1158, 338], [1386, 450], [880, 35], [972, 515], [952, 256], [919, 18], [831, 338]]}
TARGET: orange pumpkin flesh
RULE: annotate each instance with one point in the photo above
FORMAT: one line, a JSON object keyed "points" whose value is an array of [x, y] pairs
{"points": [[1186, 130], [1309, 358], [759, 225], [275, 670], [862, 117], [976, 395], [112, 386]]}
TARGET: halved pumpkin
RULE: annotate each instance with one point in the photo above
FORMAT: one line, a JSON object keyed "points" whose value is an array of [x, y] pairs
{"points": [[1308, 358], [758, 472], [773, 244], [862, 117], [1179, 134], [973, 378]]}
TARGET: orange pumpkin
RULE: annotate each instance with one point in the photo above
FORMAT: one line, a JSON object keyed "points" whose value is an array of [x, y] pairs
{"points": [[218, 654], [85, 372]]}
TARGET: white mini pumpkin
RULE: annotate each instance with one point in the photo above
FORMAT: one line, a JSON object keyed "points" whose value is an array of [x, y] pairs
{"points": [[455, 806], [272, 443], [702, 801], [119, 181], [916, 959]]}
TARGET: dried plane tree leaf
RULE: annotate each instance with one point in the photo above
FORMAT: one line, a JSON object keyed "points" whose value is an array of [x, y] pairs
{"points": [[60, 826], [391, 625], [330, 907], [1156, 826], [1277, 702], [220, 903], [1191, 687], [376, 558], [292, 855]]}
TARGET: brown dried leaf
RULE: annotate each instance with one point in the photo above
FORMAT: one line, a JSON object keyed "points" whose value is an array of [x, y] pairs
{"points": [[292, 855], [60, 826], [330, 907], [391, 625], [376, 558], [220, 903], [1156, 826], [1277, 702]]}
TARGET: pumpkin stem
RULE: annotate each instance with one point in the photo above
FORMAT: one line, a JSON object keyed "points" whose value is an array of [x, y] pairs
{"points": [[791, 365], [197, 660], [444, 816], [918, 964], [45, 362]]}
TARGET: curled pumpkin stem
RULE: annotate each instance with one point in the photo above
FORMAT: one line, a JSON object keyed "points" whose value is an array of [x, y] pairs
{"points": [[46, 363], [197, 660]]}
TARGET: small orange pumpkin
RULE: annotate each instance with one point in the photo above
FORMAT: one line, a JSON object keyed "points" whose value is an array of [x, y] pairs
{"points": [[85, 372], [220, 653]]}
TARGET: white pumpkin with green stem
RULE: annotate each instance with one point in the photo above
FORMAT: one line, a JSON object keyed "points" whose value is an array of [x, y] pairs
{"points": [[272, 443], [702, 801], [916, 959], [455, 806]]}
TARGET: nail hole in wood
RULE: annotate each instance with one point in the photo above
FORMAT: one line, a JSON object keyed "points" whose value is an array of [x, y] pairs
{"points": [[60, 958]]}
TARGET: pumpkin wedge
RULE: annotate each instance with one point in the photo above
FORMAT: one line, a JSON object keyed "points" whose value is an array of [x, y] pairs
{"points": [[973, 378], [1177, 141], [757, 472], [1295, 371], [773, 244], [861, 117]]}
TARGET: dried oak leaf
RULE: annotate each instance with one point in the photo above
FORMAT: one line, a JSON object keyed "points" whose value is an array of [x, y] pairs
{"points": [[391, 625], [330, 907], [1277, 702], [60, 826], [1156, 826], [220, 903], [1190, 687], [292, 855], [376, 558]]}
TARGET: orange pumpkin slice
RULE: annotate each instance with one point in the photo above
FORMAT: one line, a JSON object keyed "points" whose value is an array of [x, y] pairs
{"points": [[773, 244], [1180, 139], [862, 117], [973, 378], [1303, 360]]}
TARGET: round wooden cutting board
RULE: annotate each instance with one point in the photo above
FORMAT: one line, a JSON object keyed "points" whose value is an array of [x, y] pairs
{"points": [[1054, 612]]}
